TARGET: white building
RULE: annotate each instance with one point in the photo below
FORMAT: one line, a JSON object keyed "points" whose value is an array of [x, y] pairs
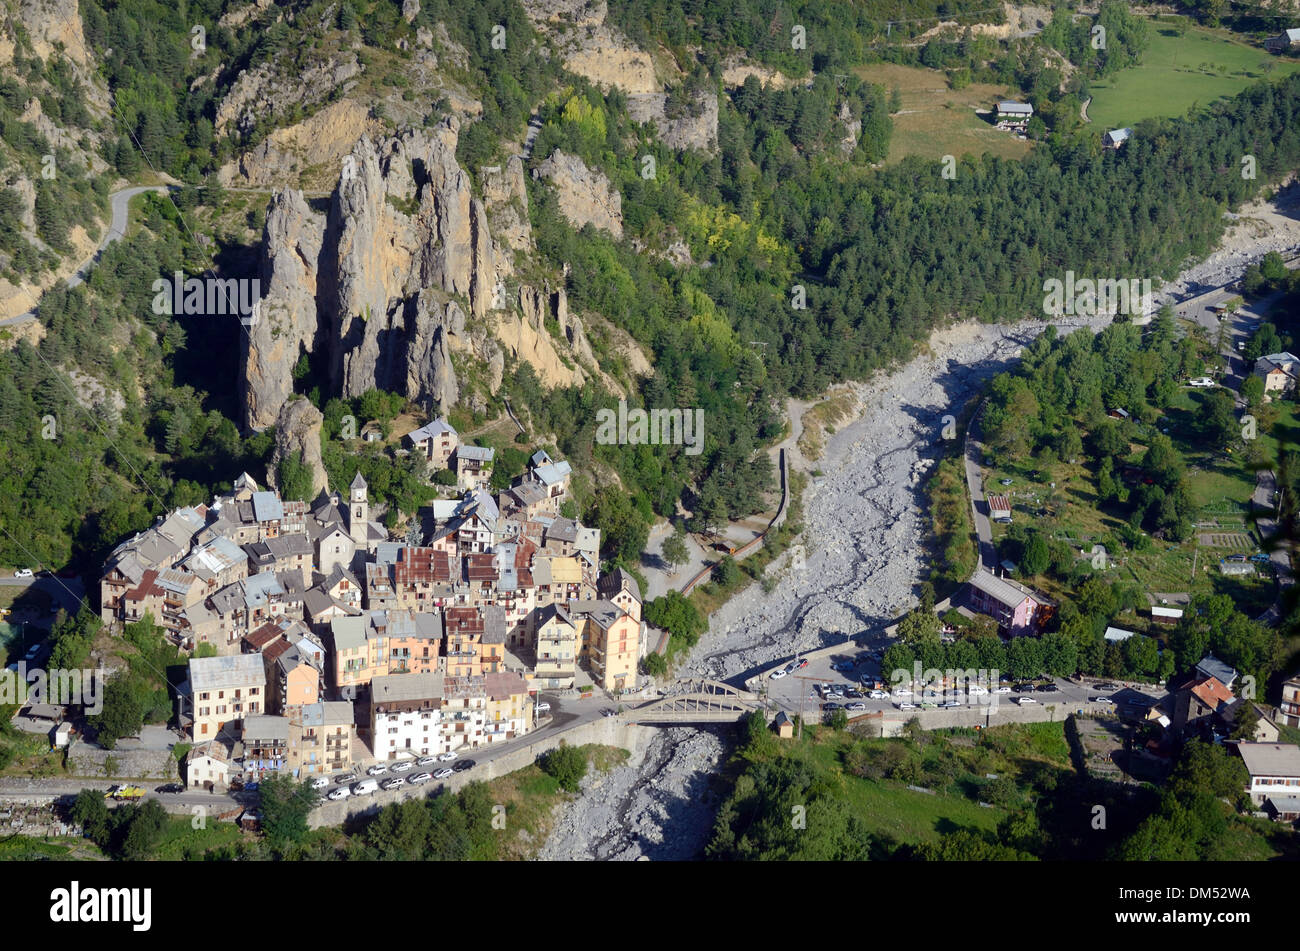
{"points": [[1274, 770]]}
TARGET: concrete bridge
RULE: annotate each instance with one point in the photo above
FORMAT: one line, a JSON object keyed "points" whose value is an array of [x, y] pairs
{"points": [[695, 700]]}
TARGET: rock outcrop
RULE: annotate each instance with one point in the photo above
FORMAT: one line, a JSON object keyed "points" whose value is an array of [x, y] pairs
{"points": [[695, 128], [401, 272], [297, 436], [262, 93], [584, 196], [280, 160], [286, 323]]}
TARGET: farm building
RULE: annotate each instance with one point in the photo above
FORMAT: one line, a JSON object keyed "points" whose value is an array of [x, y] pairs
{"points": [[1115, 138], [999, 506], [1013, 115], [1286, 40]]}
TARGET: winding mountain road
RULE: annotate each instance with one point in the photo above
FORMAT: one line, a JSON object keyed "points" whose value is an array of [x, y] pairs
{"points": [[120, 202]]}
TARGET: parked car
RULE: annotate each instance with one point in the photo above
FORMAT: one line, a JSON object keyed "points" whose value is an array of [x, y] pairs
{"points": [[426, 761], [393, 783], [878, 695], [608, 713], [341, 793], [1003, 520], [801, 663], [170, 788], [950, 704], [857, 707], [463, 765], [543, 707], [1048, 688], [1003, 689], [377, 770], [365, 787], [1103, 700], [447, 757], [902, 692], [23, 573], [1005, 481], [976, 690], [443, 773], [343, 779], [1025, 700], [420, 778], [779, 673], [403, 766], [320, 782], [1201, 381], [828, 707], [907, 706], [853, 693]]}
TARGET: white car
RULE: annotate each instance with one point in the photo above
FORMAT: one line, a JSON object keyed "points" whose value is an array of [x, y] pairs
{"points": [[1003, 689], [1025, 700], [447, 757], [902, 692], [1201, 381], [975, 690], [543, 707], [23, 573], [403, 766], [365, 787], [320, 782], [1103, 700], [341, 793], [420, 778], [377, 770], [907, 706], [878, 695], [426, 761], [443, 773], [778, 673]]}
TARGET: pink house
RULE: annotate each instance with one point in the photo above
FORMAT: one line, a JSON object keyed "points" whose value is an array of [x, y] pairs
{"points": [[1017, 609]]}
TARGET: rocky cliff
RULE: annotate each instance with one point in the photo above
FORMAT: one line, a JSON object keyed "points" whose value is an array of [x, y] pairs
{"points": [[398, 273]]}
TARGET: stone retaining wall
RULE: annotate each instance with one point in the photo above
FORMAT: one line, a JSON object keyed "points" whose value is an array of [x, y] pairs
{"points": [[606, 731]]}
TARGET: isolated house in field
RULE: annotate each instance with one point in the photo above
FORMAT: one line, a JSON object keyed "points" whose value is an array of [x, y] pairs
{"points": [[1115, 138], [1013, 115], [1017, 609], [1278, 371], [999, 507], [1284, 41]]}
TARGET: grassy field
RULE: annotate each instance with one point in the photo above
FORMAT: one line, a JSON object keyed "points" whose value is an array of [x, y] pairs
{"points": [[936, 120], [951, 765], [1180, 72]]}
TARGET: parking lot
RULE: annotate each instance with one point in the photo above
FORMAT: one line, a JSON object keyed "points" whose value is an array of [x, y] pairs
{"points": [[850, 678]]}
